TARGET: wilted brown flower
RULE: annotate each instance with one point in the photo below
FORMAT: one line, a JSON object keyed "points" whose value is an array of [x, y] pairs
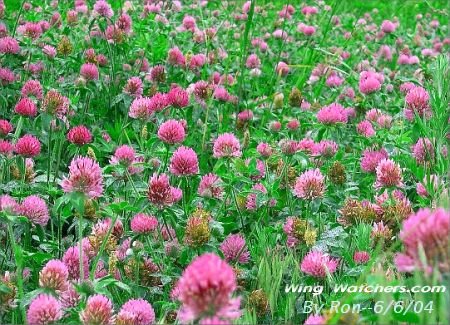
{"points": [[336, 173], [197, 232], [295, 97], [64, 47], [355, 211], [259, 302]]}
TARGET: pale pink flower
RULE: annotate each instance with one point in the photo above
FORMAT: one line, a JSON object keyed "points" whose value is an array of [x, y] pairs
{"points": [[143, 223], [43, 310], [54, 275], [388, 174], [423, 151], [318, 264], [103, 8], [366, 129], [141, 108], [310, 185], [315, 320], [371, 158], [234, 249], [35, 209], [98, 310], [85, 176], [227, 145], [136, 312], [211, 186]]}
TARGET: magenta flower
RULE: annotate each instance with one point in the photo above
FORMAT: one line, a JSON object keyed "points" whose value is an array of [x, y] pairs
{"points": [[310, 185], [252, 203], [423, 151], [9, 45], [161, 193], [205, 290], [234, 249], [6, 147], [178, 97], [32, 88], [85, 176], [264, 149], [28, 146], [361, 257], [318, 264], [176, 57], [227, 145], [71, 259], [171, 132], [98, 310], [5, 127], [332, 114], [134, 87], [26, 107], [143, 223], [431, 183], [89, 71], [103, 8], [35, 209], [315, 320], [184, 162], [43, 310], [370, 82], [253, 61], [371, 158], [79, 135], [123, 155], [136, 312], [388, 26], [325, 148], [365, 128], [425, 237], [417, 102]]}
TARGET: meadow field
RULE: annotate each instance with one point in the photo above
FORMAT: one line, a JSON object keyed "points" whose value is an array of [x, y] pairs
{"points": [[224, 162]]}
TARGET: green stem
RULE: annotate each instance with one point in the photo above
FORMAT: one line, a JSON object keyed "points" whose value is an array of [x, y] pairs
{"points": [[205, 128], [49, 158], [237, 208], [18, 261], [19, 128], [80, 245], [58, 161]]}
